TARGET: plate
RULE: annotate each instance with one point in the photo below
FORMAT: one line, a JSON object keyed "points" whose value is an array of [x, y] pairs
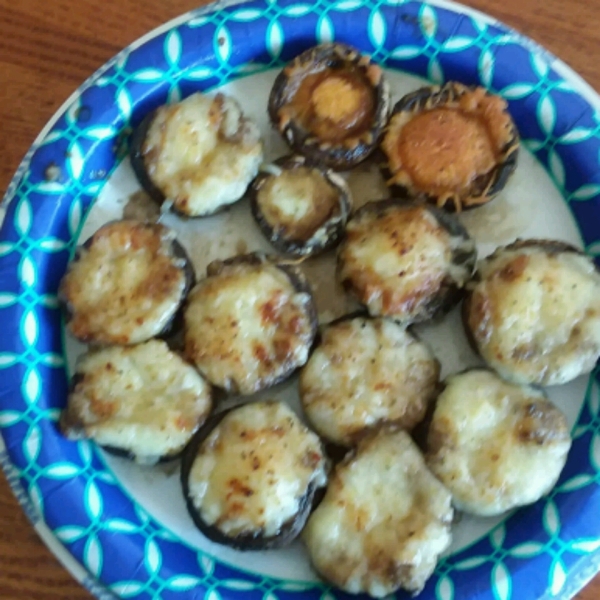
{"points": [[118, 527]]}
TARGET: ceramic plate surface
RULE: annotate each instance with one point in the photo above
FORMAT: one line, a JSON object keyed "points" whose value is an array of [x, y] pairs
{"points": [[122, 529]]}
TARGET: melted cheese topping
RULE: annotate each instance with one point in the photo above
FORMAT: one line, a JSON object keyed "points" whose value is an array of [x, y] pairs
{"points": [[247, 327], [298, 202], [441, 150], [142, 399], [496, 445], [384, 521], [124, 287], [365, 372], [202, 153], [396, 260], [535, 316], [253, 471]]}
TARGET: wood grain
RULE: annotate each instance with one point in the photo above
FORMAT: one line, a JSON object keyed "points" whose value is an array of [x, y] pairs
{"points": [[48, 47]]}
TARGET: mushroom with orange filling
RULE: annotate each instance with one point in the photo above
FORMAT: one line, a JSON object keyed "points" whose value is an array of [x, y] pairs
{"points": [[331, 104], [454, 146]]}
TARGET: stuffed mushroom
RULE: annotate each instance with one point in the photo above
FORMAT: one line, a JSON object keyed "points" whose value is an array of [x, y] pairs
{"points": [[405, 261], [301, 209], [125, 284], [364, 373], [250, 323], [199, 154], [331, 104], [495, 445], [250, 475], [390, 537], [454, 146], [143, 402], [533, 312]]}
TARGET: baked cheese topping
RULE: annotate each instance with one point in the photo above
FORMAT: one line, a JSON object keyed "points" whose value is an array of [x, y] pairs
{"points": [[298, 202], [202, 153], [142, 399], [535, 315], [366, 372], [496, 445], [254, 469], [397, 259], [384, 521], [248, 327], [125, 286]]}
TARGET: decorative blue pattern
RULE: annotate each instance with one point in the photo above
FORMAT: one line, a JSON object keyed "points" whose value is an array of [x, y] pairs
{"points": [[547, 550]]}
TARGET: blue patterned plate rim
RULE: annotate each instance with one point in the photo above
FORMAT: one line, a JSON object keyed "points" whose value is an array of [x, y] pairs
{"points": [[439, 39]]}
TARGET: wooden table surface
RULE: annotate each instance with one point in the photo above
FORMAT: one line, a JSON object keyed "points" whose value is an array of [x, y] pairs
{"points": [[48, 47]]}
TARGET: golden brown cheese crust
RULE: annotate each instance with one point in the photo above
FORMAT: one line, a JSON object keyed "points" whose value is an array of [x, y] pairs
{"points": [[384, 521], [252, 472], [399, 260], [366, 372], [534, 314], [495, 445], [125, 284], [446, 143], [202, 153], [144, 400], [248, 325]]}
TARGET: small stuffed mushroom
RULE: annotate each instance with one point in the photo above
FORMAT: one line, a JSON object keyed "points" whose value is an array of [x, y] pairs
{"points": [[495, 445], [331, 104], [454, 146], [533, 312], [250, 323], [126, 284], [199, 154], [363, 373], [405, 261], [301, 209], [250, 475], [143, 401], [384, 521]]}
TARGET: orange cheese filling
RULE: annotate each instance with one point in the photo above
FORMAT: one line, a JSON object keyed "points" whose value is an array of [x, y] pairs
{"points": [[332, 104]]}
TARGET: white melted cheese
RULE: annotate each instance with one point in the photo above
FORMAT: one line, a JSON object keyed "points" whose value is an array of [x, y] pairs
{"points": [[536, 317], [384, 521], [298, 202], [247, 327], [254, 469], [202, 153], [365, 372], [496, 445], [142, 399], [395, 261], [126, 286]]}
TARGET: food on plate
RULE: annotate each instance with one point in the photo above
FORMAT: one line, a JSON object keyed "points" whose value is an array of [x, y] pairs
{"points": [[533, 312], [363, 373], [384, 520], [125, 284], [301, 209], [249, 476], [405, 261], [198, 155], [143, 401], [455, 146], [331, 104], [495, 445], [250, 323]]}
